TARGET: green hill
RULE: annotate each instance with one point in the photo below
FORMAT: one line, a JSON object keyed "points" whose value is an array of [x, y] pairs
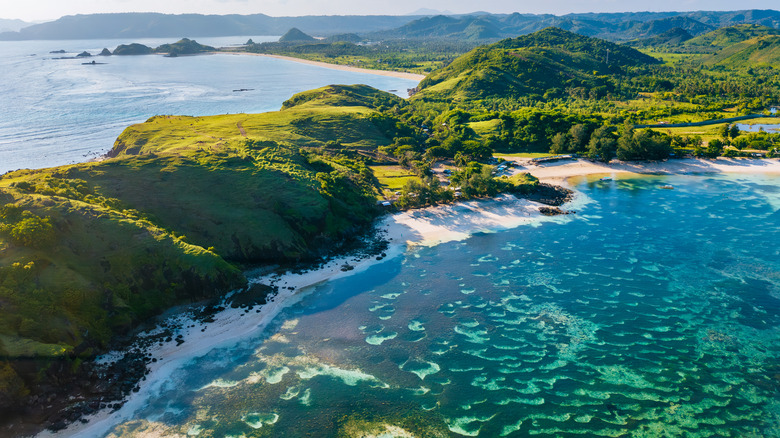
{"points": [[184, 46], [659, 27], [297, 36], [672, 37], [532, 64], [133, 49], [761, 51], [89, 250], [728, 36]]}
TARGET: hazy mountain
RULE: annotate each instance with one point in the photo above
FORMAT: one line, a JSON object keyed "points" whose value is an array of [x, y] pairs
{"points": [[765, 17], [671, 37], [147, 25], [475, 26], [658, 27], [610, 26], [7, 25], [441, 26]]}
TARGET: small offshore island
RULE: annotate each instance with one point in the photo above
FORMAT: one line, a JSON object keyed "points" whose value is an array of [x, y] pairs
{"points": [[182, 208]]}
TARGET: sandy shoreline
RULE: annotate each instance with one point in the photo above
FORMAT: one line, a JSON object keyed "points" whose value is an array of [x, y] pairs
{"points": [[428, 227], [559, 172], [393, 74]]}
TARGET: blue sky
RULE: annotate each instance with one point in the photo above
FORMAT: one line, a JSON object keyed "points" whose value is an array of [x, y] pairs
{"points": [[36, 10]]}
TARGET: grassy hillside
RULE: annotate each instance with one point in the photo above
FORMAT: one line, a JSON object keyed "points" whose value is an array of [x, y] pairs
{"points": [[89, 250], [727, 36], [756, 52], [551, 60]]}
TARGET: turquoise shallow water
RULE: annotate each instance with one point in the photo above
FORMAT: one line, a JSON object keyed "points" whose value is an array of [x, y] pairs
{"points": [[650, 313]]}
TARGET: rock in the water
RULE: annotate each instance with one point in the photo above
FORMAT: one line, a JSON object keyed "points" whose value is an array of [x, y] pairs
{"points": [[553, 211], [132, 49]]}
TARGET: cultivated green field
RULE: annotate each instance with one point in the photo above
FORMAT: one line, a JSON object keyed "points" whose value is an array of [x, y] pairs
{"points": [[392, 179]]}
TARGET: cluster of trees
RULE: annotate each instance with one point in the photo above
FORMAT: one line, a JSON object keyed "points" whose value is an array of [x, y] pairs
{"points": [[25, 228], [607, 142], [733, 143], [472, 180]]}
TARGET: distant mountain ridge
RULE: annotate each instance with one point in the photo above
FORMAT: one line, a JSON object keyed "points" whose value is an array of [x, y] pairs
{"points": [[733, 46], [7, 25], [670, 37], [612, 26], [475, 26], [148, 25]]}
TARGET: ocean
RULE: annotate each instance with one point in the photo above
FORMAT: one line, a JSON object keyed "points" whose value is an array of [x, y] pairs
{"points": [[58, 111], [650, 312]]}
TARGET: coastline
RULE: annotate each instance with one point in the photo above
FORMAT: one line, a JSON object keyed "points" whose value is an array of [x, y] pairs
{"points": [[423, 227], [560, 172], [393, 74]]}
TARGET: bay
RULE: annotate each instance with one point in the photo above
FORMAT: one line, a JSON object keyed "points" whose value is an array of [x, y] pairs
{"points": [[58, 111], [651, 312]]}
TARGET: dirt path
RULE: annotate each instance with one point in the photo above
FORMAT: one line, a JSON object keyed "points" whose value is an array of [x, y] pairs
{"points": [[241, 129]]}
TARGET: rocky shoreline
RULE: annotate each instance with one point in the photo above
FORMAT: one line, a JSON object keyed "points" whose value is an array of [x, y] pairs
{"points": [[106, 383], [552, 195]]}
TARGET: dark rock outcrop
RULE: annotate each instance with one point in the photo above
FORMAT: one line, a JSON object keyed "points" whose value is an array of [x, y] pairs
{"points": [[549, 194]]}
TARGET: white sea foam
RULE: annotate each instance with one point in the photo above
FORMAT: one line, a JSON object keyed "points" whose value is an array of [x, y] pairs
{"points": [[379, 338], [348, 377], [257, 420], [416, 326], [422, 368], [221, 383]]}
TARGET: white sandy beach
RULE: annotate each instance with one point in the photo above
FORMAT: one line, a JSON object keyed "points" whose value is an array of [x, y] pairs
{"points": [[428, 226], [558, 172], [393, 74]]}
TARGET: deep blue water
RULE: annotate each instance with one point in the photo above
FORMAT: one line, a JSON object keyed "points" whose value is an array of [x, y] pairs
{"points": [[58, 111], [649, 313]]}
